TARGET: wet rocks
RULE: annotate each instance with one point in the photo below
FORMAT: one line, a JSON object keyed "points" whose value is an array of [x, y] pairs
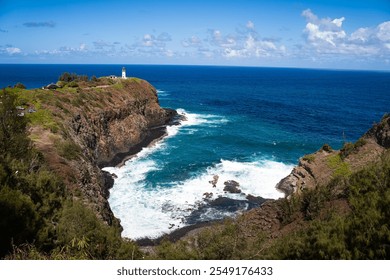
{"points": [[231, 186], [214, 181]]}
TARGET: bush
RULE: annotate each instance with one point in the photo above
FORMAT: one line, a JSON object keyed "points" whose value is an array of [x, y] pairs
{"points": [[84, 236], [350, 148], [68, 149], [19, 219], [20, 85], [327, 148]]}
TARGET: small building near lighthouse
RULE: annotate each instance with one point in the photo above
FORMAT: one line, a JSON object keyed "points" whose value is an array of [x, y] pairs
{"points": [[124, 73]]}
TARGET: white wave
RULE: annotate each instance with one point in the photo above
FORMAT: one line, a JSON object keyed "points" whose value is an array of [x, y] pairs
{"points": [[147, 211], [192, 119]]}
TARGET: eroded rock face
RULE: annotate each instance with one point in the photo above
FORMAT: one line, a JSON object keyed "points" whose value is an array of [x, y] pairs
{"points": [[115, 130], [322, 166], [380, 133]]}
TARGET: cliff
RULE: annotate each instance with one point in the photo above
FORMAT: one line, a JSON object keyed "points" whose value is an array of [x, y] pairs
{"points": [[324, 165], [81, 128]]}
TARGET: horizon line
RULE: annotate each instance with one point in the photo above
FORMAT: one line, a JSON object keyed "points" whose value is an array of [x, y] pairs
{"points": [[210, 65]]}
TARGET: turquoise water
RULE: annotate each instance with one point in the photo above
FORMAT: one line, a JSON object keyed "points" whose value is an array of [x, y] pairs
{"points": [[250, 125]]}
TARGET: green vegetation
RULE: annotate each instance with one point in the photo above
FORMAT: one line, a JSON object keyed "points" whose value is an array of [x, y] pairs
{"points": [[67, 149], [20, 85], [309, 158], [327, 148], [362, 234], [72, 77], [219, 243], [40, 217], [350, 148], [340, 167]]}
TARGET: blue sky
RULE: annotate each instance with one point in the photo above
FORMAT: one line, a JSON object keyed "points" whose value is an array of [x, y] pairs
{"points": [[316, 34]]}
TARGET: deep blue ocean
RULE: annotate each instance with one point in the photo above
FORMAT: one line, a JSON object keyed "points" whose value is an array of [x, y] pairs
{"points": [[245, 124]]}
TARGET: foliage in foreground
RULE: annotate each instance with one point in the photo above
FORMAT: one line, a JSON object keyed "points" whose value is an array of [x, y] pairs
{"points": [[39, 218]]}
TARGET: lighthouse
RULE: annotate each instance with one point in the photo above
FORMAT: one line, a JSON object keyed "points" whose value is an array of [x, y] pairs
{"points": [[124, 73]]}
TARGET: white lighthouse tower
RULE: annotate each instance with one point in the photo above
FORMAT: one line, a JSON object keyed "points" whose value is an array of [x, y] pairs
{"points": [[124, 73]]}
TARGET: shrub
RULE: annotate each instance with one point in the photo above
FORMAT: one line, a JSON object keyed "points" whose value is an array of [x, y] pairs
{"points": [[350, 148], [84, 236], [68, 149], [309, 158], [327, 148], [19, 219], [73, 84], [20, 85]]}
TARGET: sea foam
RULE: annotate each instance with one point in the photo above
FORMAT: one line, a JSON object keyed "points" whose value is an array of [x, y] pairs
{"points": [[147, 210]]}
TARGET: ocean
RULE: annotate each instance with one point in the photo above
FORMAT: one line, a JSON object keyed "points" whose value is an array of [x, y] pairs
{"points": [[246, 124]]}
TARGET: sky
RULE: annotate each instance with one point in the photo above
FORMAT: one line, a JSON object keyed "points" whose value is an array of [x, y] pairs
{"points": [[336, 34]]}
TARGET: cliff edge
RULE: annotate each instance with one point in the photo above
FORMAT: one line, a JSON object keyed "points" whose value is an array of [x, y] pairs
{"points": [[81, 128]]}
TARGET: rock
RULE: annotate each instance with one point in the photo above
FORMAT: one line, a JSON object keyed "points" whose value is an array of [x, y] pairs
{"points": [[214, 181], [208, 195], [231, 186], [256, 200]]}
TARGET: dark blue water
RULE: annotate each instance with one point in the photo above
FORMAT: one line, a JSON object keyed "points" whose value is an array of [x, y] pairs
{"points": [[246, 124]]}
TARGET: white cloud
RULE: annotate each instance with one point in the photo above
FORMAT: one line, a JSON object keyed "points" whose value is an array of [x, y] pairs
{"points": [[13, 50], [150, 45], [323, 31], [383, 31], [362, 35], [327, 36], [148, 40], [244, 43], [194, 42]]}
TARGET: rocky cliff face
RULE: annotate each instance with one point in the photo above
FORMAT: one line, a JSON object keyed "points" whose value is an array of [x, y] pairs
{"points": [[99, 125], [324, 165]]}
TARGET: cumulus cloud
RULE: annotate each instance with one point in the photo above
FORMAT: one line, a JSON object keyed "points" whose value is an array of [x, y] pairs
{"points": [[245, 43], [82, 49], [327, 36], [159, 41], [323, 31], [13, 50], [193, 42], [33, 24], [151, 45], [10, 50]]}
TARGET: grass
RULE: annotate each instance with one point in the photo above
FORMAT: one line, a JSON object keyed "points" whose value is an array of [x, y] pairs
{"points": [[43, 118], [309, 158], [67, 149], [339, 167]]}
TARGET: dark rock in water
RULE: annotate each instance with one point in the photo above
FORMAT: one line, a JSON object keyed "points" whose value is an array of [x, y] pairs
{"points": [[231, 186], [255, 200], [214, 181], [208, 195], [229, 204]]}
